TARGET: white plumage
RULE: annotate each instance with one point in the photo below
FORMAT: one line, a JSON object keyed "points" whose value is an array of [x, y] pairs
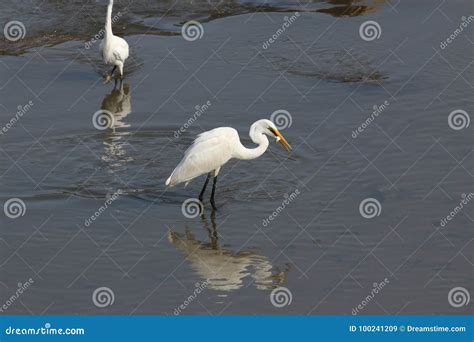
{"points": [[209, 152], [214, 148], [114, 49]]}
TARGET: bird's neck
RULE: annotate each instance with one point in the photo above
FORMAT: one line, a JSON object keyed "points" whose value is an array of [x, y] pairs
{"points": [[252, 153], [108, 20]]}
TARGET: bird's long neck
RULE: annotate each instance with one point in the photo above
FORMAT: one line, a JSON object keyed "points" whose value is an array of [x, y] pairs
{"points": [[108, 20], [252, 153]]}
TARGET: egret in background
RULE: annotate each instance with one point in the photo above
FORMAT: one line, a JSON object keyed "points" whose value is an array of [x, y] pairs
{"points": [[212, 149], [114, 49]]}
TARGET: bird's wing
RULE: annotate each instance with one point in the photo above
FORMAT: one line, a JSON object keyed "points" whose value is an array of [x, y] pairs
{"points": [[213, 136], [208, 152], [120, 49]]}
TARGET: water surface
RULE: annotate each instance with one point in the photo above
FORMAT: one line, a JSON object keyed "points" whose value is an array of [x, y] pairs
{"points": [[320, 247]]}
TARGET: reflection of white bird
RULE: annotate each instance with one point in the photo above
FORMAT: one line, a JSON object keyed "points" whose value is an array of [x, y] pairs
{"points": [[114, 49], [222, 268], [212, 149], [118, 102]]}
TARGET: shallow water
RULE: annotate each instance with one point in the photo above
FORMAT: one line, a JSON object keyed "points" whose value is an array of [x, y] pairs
{"points": [[319, 246]]}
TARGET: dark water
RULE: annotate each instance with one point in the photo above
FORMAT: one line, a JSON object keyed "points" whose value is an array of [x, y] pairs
{"points": [[319, 246]]}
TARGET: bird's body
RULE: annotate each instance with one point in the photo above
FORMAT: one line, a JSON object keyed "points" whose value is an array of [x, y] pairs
{"points": [[213, 149], [114, 49], [210, 151]]}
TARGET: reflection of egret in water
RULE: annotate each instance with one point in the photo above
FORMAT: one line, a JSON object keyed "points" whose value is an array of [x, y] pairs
{"points": [[224, 269], [117, 102], [351, 8]]}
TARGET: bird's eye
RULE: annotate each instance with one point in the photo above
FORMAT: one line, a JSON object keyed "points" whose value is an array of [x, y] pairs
{"points": [[271, 129]]}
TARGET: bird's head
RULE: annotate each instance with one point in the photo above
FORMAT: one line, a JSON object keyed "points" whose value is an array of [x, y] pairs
{"points": [[267, 127]]}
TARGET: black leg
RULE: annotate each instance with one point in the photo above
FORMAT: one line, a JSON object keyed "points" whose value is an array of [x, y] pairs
{"points": [[213, 203], [113, 69], [201, 195]]}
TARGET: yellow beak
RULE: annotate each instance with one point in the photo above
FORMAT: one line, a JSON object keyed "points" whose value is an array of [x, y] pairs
{"points": [[281, 139]]}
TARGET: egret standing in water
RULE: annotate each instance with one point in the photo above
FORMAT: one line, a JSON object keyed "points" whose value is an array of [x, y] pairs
{"points": [[212, 149], [114, 49]]}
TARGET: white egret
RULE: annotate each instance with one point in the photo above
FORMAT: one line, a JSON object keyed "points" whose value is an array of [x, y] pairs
{"points": [[212, 149], [114, 49]]}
